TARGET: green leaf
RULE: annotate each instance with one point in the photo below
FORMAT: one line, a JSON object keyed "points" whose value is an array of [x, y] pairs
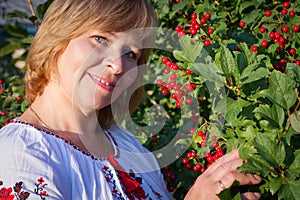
{"points": [[256, 165], [209, 72], [293, 71], [275, 184], [9, 48], [246, 4], [16, 31], [246, 150], [228, 64], [42, 8], [282, 90], [274, 114], [269, 150], [290, 191], [190, 50], [17, 13], [295, 121], [233, 108], [294, 168], [255, 75]]}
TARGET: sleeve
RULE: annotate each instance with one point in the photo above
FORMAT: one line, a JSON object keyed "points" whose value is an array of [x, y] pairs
{"points": [[29, 169]]}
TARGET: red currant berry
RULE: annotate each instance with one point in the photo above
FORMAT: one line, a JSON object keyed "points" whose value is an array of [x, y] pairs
{"points": [[172, 188], [295, 28], [154, 139], [193, 31], [207, 15], [200, 133], [236, 48], [262, 29], [189, 165], [197, 26], [1, 81], [213, 137], [203, 144], [194, 16], [189, 100], [204, 137], [178, 28], [286, 4], [164, 91], [178, 104], [210, 31], [284, 29], [164, 60], [197, 167], [272, 35], [254, 48], [206, 43], [210, 159], [215, 145], [282, 60], [159, 82], [194, 22], [185, 161], [174, 66], [203, 20], [297, 62], [188, 87], [202, 170], [268, 13], [292, 13], [188, 72], [3, 113], [19, 98], [166, 71], [264, 43], [284, 12], [277, 35], [242, 24], [173, 76], [292, 51], [174, 96]]}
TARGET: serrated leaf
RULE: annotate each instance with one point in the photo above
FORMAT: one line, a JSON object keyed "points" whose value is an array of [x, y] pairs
{"points": [[282, 90], [256, 165], [274, 114], [228, 64], [246, 150], [294, 168], [275, 183], [255, 75], [295, 121], [246, 4], [190, 49], [290, 191], [209, 72], [293, 71], [269, 149]]}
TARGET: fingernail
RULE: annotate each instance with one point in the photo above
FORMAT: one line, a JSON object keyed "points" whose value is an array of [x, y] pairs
{"points": [[257, 177], [258, 195]]}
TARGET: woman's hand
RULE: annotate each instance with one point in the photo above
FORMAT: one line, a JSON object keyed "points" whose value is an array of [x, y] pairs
{"points": [[220, 176]]}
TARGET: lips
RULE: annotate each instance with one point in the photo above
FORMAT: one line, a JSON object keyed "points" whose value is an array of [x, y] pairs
{"points": [[103, 82]]}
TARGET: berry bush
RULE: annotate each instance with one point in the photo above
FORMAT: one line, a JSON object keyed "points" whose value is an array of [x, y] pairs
{"points": [[233, 83]]}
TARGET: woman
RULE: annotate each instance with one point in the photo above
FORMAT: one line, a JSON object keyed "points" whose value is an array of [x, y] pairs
{"points": [[66, 145]]}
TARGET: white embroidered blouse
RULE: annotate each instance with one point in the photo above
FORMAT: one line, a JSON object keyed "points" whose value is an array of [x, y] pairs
{"points": [[36, 164]]}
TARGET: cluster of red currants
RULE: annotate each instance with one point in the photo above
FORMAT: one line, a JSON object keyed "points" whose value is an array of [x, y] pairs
{"points": [[196, 25], [178, 92], [193, 161], [280, 34]]}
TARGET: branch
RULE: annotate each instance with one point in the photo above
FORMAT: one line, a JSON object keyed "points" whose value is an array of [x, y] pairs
{"points": [[31, 7]]}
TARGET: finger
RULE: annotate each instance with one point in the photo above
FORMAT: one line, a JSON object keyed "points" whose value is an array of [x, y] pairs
{"points": [[233, 155], [250, 196], [248, 179]]}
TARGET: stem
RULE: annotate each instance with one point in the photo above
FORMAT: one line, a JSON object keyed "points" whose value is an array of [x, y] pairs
{"points": [[288, 124], [31, 7], [155, 103]]}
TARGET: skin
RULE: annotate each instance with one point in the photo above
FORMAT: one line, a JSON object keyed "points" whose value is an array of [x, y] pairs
{"points": [[68, 106], [224, 169], [80, 93]]}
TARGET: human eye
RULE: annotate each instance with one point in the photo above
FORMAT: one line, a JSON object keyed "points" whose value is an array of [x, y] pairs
{"points": [[132, 55], [100, 39]]}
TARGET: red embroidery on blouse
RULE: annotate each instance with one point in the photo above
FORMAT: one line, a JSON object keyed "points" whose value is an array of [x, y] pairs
{"points": [[40, 188], [6, 193]]}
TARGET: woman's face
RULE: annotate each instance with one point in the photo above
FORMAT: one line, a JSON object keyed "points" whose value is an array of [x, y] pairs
{"points": [[96, 67]]}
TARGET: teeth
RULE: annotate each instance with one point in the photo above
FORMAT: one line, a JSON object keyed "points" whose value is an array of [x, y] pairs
{"points": [[105, 83]]}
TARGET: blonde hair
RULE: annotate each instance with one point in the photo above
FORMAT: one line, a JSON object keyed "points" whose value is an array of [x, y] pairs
{"points": [[68, 19]]}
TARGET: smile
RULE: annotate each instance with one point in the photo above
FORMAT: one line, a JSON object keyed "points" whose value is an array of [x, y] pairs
{"points": [[103, 82]]}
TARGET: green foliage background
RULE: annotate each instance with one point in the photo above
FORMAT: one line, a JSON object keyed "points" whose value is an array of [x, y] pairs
{"points": [[257, 104]]}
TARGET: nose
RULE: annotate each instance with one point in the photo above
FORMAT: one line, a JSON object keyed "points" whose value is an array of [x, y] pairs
{"points": [[117, 65]]}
